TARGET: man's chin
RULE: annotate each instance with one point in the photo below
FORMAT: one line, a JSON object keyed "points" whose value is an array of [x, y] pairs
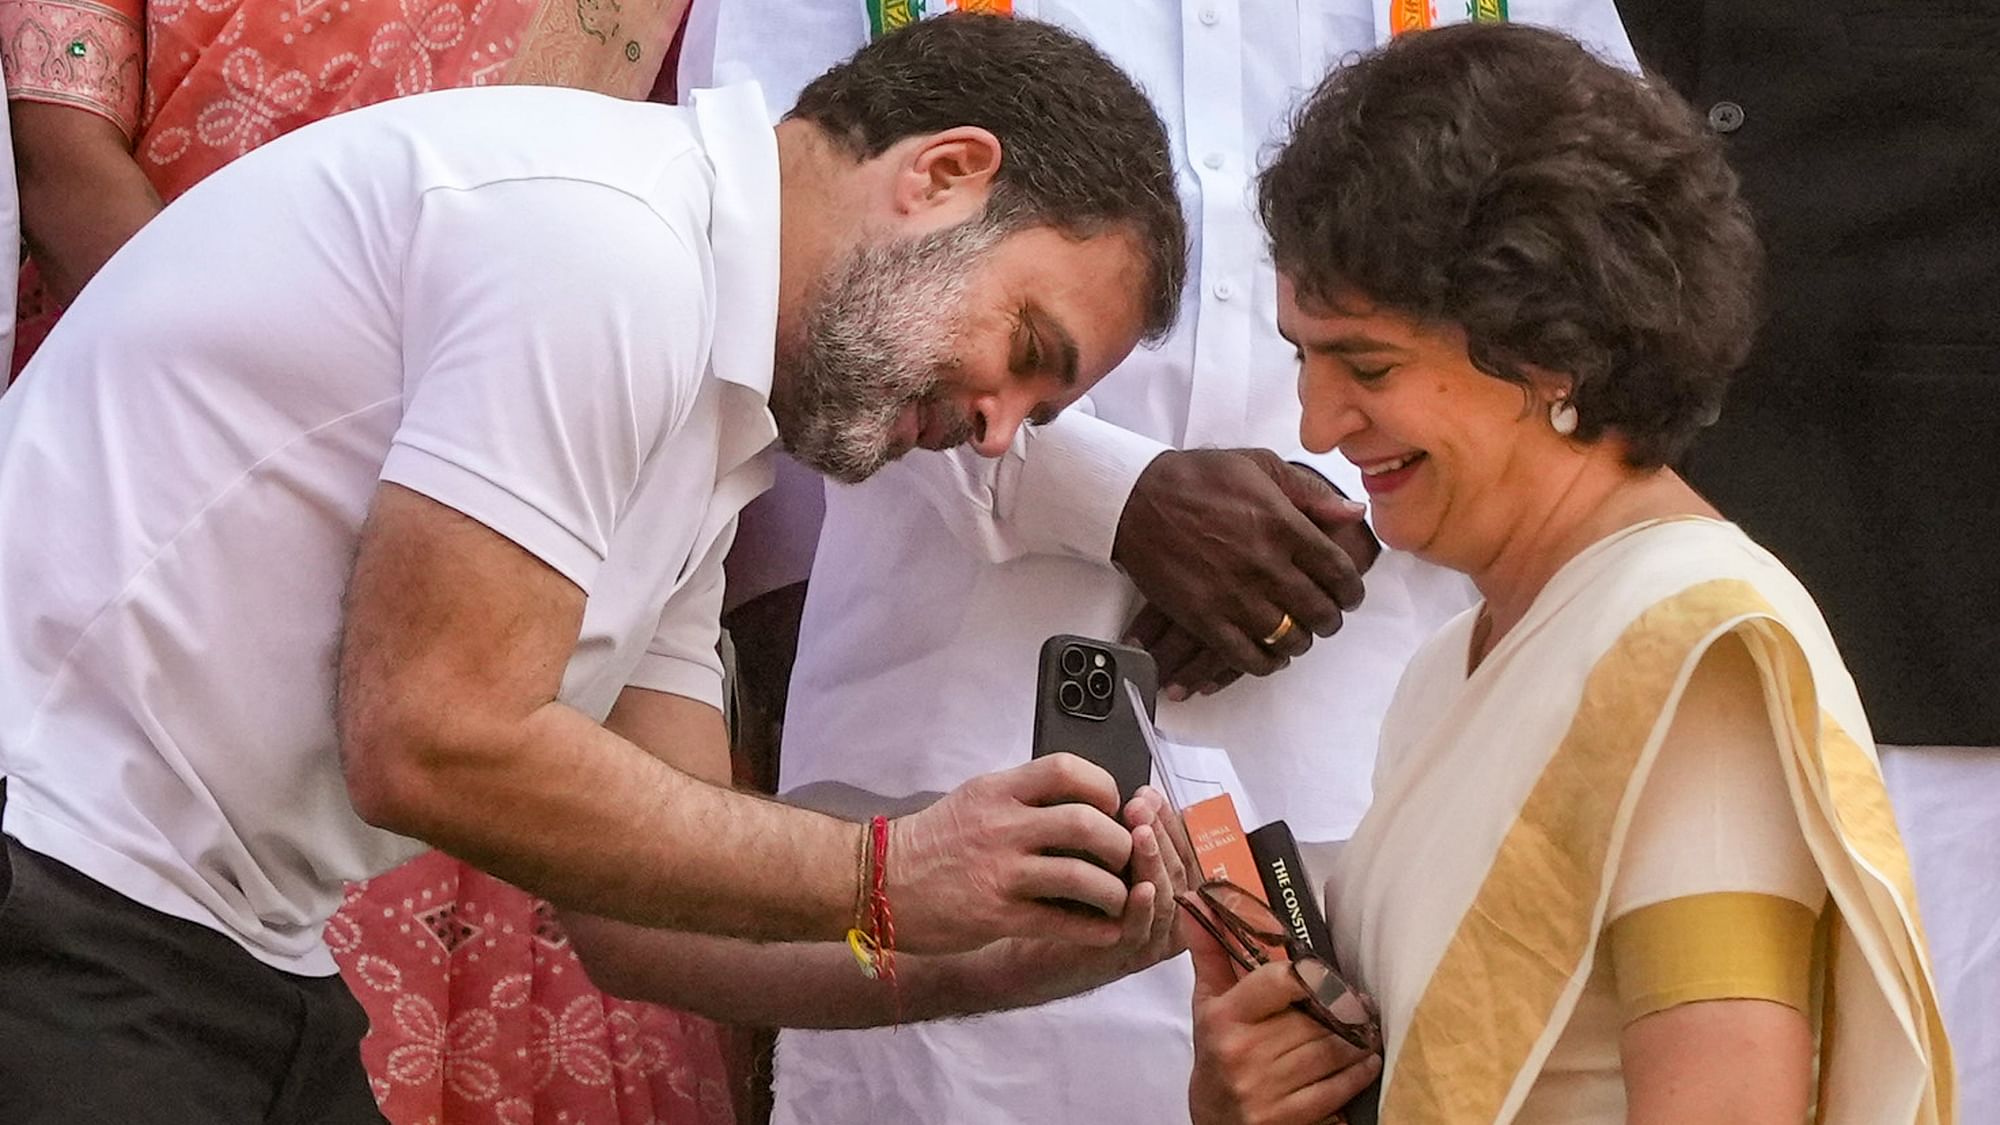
{"points": [[843, 466]]}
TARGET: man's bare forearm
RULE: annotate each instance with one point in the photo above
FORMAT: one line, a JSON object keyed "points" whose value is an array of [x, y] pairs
{"points": [[82, 193], [576, 814], [451, 732]]}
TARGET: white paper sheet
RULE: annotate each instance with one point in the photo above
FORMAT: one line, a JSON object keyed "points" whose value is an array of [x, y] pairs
{"points": [[1190, 774]]}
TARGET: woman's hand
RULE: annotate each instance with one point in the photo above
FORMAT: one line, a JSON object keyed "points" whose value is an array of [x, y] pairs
{"points": [[1257, 1059]]}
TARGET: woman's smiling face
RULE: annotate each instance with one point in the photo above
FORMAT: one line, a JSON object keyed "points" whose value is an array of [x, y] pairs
{"points": [[1452, 457]]}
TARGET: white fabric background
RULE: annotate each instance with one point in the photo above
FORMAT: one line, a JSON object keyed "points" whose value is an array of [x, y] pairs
{"points": [[1947, 802]]}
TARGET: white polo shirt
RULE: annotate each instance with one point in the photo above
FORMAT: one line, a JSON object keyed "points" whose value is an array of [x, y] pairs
{"points": [[549, 310]]}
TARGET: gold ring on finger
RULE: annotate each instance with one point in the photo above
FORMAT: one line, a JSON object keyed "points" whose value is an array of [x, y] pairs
{"points": [[1284, 629]]}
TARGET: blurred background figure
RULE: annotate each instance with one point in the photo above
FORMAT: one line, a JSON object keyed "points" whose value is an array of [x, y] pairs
{"points": [[10, 227], [120, 107], [1858, 443]]}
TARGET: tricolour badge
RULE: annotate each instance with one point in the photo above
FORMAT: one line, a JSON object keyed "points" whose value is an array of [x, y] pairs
{"points": [[1400, 16], [885, 16]]}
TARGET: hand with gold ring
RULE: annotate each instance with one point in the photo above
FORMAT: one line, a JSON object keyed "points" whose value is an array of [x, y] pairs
{"points": [[1284, 629], [1222, 544]]}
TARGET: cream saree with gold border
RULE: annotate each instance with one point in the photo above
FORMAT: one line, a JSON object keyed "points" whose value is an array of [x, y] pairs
{"points": [[1472, 897]]}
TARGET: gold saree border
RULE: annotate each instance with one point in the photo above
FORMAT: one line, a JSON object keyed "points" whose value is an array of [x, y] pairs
{"points": [[1868, 824], [1519, 946], [1688, 949]]}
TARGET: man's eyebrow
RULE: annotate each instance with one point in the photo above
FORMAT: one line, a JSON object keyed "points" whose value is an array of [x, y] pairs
{"points": [[1064, 342]]}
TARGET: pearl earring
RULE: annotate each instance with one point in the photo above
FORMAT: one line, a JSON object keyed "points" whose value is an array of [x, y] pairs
{"points": [[1562, 416]]}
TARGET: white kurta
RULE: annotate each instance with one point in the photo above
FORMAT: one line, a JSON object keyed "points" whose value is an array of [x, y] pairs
{"points": [[936, 582]]}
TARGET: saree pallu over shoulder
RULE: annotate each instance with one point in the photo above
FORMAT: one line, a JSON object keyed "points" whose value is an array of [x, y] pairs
{"points": [[1513, 944]]}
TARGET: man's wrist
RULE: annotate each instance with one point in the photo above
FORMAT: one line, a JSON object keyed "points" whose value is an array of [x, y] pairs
{"points": [[990, 979]]}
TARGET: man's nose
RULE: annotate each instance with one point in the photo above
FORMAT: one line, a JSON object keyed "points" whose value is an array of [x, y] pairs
{"points": [[995, 421]]}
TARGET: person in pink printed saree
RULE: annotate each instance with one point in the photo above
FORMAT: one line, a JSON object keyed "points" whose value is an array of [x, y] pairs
{"points": [[121, 105]]}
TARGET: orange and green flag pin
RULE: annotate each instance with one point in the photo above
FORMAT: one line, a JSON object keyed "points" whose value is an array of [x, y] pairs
{"points": [[885, 16]]}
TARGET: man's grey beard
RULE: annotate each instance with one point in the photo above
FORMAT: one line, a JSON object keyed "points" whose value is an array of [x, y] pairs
{"points": [[882, 332]]}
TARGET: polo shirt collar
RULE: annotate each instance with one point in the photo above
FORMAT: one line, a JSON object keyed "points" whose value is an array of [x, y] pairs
{"points": [[743, 232]]}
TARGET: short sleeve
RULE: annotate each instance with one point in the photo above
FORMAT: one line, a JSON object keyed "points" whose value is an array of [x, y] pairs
{"points": [[1716, 893], [682, 658], [552, 334], [1716, 813], [1060, 489]]}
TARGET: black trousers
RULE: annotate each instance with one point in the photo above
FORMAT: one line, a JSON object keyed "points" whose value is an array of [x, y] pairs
{"points": [[111, 1012]]}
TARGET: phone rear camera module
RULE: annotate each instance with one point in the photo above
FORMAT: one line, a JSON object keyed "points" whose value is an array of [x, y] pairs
{"points": [[1070, 695], [1086, 681], [1098, 683]]}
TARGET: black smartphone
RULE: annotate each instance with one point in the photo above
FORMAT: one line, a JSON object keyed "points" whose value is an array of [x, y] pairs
{"points": [[1082, 707]]}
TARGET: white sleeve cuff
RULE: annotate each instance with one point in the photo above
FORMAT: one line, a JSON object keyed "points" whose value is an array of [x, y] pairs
{"points": [[693, 679], [465, 491], [1072, 479]]}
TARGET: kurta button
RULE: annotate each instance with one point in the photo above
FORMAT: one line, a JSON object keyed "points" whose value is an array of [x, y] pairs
{"points": [[1725, 117], [1212, 160], [1224, 290], [1209, 15]]}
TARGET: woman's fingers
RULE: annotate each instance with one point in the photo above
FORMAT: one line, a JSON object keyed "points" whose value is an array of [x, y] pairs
{"points": [[1316, 1059], [1269, 991], [1322, 1100]]}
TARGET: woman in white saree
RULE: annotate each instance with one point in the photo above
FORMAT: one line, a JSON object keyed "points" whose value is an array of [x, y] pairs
{"points": [[1630, 857]]}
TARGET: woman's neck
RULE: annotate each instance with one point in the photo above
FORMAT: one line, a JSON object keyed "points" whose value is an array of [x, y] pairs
{"points": [[1593, 505]]}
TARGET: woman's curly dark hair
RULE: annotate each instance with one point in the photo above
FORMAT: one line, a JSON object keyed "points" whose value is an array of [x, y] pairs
{"points": [[1566, 214]]}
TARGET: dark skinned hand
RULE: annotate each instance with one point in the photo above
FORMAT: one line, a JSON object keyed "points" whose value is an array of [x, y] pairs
{"points": [[1223, 543]]}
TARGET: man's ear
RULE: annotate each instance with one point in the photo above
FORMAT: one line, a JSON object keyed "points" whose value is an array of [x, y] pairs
{"points": [[954, 168]]}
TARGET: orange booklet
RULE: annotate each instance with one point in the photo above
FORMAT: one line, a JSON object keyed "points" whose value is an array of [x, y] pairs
{"points": [[1220, 845]]}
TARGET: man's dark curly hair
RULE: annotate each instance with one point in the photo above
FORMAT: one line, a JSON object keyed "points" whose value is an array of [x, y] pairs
{"points": [[1082, 150], [1566, 214]]}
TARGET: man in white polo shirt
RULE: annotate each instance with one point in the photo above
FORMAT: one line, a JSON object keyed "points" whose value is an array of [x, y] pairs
{"points": [[405, 523]]}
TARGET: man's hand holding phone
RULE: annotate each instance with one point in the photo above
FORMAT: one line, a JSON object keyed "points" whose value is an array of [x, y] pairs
{"points": [[977, 866]]}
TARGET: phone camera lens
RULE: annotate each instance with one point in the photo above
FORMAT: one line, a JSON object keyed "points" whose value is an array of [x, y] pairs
{"points": [[1070, 695], [1073, 661], [1099, 683]]}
